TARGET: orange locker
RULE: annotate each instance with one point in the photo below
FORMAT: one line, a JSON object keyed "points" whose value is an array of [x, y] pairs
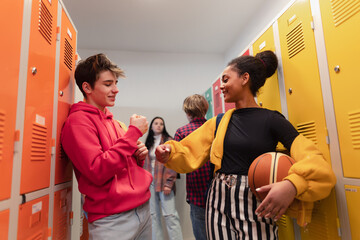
{"points": [[63, 169], [340, 20], [33, 219], [4, 224], [36, 154], [305, 103], [11, 11], [62, 209], [217, 99]]}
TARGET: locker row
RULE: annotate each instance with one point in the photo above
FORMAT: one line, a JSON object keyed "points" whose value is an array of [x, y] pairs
{"points": [[316, 88]]}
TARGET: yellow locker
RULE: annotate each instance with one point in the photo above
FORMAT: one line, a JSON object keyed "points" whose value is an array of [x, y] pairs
{"points": [[37, 142], [269, 95], [10, 12], [4, 224], [352, 194], [341, 23], [304, 102]]}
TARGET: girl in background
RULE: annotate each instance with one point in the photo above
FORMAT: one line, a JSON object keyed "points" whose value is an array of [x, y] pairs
{"points": [[163, 186]]}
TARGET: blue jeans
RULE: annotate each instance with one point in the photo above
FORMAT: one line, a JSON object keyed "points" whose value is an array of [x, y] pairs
{"points": [[133, 224], [197, 215], [171, 217]]}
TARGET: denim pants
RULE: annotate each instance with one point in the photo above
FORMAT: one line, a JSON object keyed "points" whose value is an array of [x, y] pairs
{"points": [[165, 204], [133, 224], [197, 215]]}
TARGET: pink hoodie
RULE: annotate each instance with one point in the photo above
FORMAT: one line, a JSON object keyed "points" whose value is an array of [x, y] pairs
{"points": [[102, 156]]}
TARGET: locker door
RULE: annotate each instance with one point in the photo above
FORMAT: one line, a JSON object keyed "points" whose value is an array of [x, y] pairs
{"points": [[33, 219], [353, 198], [35, 173], [62, 209], [4, 224], [63, 167], [10, 12], [304, 101], [208, 97], [341, 23], [218, 108], [269, 95]]}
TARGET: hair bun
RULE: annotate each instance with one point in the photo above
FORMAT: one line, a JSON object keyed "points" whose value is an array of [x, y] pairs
{"points": [[269, 59]]}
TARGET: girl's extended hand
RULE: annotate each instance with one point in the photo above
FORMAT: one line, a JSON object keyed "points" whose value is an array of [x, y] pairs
{"points": [[277, 201], [162, 153]]}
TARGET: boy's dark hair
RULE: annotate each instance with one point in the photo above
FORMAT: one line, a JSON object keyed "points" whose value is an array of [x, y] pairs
{"points": [[195, 106], [88, 70]]}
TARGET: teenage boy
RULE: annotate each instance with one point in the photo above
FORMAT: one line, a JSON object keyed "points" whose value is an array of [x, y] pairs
{"points": [[195, 108], [107, 157]]}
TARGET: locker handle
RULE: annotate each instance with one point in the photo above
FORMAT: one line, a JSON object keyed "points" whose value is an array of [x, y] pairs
{"points": [[337, 68], [290, 91], [33, 70]]}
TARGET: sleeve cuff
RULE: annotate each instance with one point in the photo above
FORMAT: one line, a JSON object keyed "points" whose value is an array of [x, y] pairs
{"points": [[299, 182]]}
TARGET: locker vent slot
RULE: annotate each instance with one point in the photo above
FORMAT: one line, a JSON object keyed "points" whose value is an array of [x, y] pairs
{"points": [[282, 222], [62, 227], [38, 143], [342, 10], [45, 22], [295, 40], [354, 123], [319, 227], [217, 100], [308, 129], [38, 236], [68, 54], [2, 134]]}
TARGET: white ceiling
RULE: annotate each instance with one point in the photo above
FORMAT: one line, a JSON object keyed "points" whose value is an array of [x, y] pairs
{"points": [[182, 26]]}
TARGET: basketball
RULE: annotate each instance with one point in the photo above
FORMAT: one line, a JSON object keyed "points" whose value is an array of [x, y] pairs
{"points": [[268, 168]]}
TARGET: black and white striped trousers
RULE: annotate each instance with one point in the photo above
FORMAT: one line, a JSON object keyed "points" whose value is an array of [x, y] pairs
{"points": [[230, 211]]}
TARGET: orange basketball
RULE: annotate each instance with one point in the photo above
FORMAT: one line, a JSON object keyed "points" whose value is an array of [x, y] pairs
{"points": [[268, 168]]}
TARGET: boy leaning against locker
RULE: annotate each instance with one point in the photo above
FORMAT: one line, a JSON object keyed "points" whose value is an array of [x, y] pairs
{"points": [[107, 157]]}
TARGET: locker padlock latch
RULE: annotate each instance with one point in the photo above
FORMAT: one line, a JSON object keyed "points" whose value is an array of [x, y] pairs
{"points": [[33, 70], [337, 68], [290, 90], [61, 93]]}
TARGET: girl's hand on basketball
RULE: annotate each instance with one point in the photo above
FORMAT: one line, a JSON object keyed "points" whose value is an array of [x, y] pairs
{"points": [[162, 153], [277, 201]]}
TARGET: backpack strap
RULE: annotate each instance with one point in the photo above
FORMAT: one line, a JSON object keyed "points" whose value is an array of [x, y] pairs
{"points": [[218, 119]]}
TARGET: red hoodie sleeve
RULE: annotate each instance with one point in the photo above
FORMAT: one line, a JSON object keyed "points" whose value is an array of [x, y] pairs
{"points": [[82, 145]]}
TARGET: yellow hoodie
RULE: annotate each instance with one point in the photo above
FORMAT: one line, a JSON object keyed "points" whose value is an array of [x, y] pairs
{"points": [[311, 174]]}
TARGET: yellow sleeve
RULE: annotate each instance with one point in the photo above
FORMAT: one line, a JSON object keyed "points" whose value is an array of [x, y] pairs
{"points": [[193, 151], [122, 125], [311, 174]]}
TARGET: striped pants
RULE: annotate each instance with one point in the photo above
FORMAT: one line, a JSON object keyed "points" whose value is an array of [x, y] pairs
{"points": [[230, 211]]}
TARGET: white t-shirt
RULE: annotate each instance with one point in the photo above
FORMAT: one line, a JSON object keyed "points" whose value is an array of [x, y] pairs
{"points": [[152, 156]]}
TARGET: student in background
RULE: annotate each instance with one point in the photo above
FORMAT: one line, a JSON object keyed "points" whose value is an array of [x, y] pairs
{"points": [[195, 108], [107, 157], [162, 201], [244, 133]]}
